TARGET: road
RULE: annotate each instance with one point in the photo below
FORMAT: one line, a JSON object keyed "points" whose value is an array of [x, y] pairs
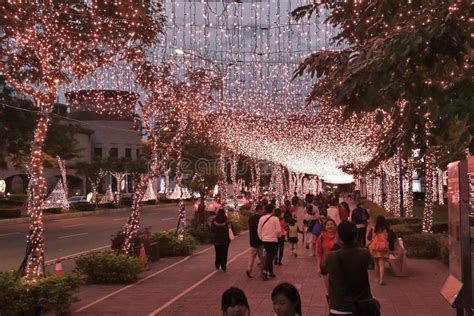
{"points": [[69, 236]]}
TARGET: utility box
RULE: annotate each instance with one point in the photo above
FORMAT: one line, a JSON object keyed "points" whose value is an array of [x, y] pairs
{"points": [[458, 288]]}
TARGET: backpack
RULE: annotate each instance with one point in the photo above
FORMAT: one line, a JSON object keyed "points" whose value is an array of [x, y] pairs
{"points": [[380, 242], [317, 228]]}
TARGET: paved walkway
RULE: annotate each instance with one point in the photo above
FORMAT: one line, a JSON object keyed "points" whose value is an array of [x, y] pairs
{"points": [[191, 286]]}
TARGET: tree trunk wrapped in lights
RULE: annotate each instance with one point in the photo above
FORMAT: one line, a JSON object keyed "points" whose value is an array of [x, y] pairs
{"points": [[428, 210], [223, 182], [409, 186], [233, 174], [45, 43]]}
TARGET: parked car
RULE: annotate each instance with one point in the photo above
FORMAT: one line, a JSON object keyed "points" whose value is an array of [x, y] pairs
{"points": [[77, 199], [241, 200]]}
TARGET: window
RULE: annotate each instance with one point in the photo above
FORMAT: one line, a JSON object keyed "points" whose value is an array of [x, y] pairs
{"points": [[113, 152], [138, 152], [97, 152], [128, 152]]}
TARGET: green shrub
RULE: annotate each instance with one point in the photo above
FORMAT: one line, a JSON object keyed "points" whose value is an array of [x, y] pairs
{"points": [[18, 197], [170, 245], [440, 228], [17, 297], [150, 202], [165, 200], [402, 230], [83, 207], [443, 249], [109, 268], [201, 233], [422, 245], [10, 213], [126, 201], [108, 205], [7, 202], [56, 294], [55, 210], [403, 220]]}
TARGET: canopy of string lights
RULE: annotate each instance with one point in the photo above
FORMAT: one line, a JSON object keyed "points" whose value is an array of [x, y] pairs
{"points": [[253, 48]]}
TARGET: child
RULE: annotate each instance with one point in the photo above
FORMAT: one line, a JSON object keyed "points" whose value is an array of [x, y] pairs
{"points": [[293, 231]]}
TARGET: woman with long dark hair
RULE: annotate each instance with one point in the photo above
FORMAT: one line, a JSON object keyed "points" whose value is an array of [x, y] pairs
{"points": [[324, 244], [220, 228], [379, 247], [234, 303], [286, 300]]}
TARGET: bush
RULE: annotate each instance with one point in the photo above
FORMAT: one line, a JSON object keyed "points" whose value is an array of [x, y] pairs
{"points": [[17, 297], [83, 207], [443, 249], [18, 197], [10, 213], [143, 236], [55, 210], [201, 232], [109, 268], [422, 246], [126, 201], [403, 220], [7, 202], [108, 205], [440, 228], [402, 230], [170, 245], [165, 200], [150, 202]]}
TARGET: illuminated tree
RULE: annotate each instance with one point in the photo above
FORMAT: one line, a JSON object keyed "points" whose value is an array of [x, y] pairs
{"points": [[46, 43]]}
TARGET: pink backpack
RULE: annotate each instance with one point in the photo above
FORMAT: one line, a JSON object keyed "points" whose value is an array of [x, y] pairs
{"points": [[380, 242]]}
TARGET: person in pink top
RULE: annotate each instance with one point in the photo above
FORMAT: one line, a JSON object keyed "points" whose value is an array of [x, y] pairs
{"points": [[324, 244], [281, 239]]}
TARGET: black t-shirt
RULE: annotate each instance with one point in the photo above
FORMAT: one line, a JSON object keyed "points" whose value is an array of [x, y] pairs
{"points": [[253, 231]]}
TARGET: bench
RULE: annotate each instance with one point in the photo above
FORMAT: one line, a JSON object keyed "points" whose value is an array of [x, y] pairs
{"points": [[398, 259]]}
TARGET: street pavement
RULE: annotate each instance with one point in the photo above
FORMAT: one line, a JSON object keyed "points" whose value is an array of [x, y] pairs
{"points": [[68, 236], [191, 286]]}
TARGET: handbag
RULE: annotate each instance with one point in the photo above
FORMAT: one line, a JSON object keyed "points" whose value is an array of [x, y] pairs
{"points": [[231, 233], [368, 307]]}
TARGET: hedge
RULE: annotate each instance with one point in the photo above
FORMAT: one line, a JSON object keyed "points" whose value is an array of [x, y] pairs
{"points": [[150, 202], [108, 205], [403, 220], [10, 213], [170, 245], [83, 207], [423, 245], [109, 268], [8, 202], [55, 210], [18, 197], [126, 201], [17, 297], [201, 233]]}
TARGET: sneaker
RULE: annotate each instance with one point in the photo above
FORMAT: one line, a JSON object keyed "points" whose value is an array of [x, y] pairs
{"points": [[248, 274], [264, 277], [272, 275], [280, 263], [377, 280], [382, 282]]}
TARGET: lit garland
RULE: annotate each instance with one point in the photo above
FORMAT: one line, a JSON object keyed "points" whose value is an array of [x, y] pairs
{"points": [[95, 184], [223, 182], [428, 210], [149, 194], [440, 187], [57, 198], [62, 168], [233, 174], [181, 227], [108, 197], [409, 186]]}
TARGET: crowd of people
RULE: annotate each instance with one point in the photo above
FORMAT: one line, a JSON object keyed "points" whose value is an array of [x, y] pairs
{"points": [[339, 238]]}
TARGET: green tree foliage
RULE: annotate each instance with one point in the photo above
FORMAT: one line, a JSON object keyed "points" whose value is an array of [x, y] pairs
{"points": [[411, 60], [17, 125]]}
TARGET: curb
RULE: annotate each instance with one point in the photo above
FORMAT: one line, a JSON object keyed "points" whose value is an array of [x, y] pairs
{"points": [[51, 217]]}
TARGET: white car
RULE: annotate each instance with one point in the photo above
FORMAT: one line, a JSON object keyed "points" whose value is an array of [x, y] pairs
{"points": [[77, 199], [241, 200], [210, 203]]}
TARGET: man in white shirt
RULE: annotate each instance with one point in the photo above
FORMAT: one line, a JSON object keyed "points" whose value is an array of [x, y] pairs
{"points": [[333, 212], [269, 230]]}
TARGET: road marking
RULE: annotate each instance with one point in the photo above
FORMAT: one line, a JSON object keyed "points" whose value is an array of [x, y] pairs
{"points": [[195, 285], [78, 253], [75, 235], [75, 225], [119, 218], [9, 234], [140, 281], [168, 218]]}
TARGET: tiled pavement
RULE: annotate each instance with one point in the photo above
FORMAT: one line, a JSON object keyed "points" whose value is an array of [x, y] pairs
{"points": [[194, 287]]}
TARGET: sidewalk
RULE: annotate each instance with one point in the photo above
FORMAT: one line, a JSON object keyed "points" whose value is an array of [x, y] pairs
{"points": [[191, 286]]}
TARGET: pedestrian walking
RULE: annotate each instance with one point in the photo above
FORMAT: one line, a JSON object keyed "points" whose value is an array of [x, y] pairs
{"points": [[347, 267], [286, 300], [234, 303], [324, 244], [292, 231], [344, 211], [220, 229], [379, 247], [269, 230], [360, 218], [281, 239], [309, 220], [333, 212], [256, 245]]}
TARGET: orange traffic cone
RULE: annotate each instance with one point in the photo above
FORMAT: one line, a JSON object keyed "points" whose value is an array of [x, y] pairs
{"points": [[143, 257], [58, 269]]}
